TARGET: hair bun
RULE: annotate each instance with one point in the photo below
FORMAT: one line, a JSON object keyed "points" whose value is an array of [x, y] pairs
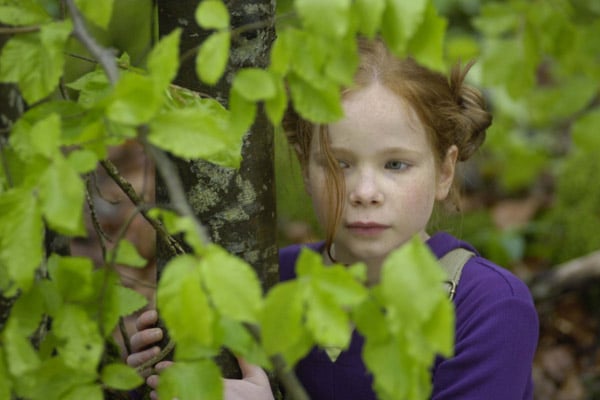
{"points": [[473, 118]]}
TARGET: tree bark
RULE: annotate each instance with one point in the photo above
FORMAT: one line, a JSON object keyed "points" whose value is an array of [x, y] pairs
{"points": [[237, 206]]}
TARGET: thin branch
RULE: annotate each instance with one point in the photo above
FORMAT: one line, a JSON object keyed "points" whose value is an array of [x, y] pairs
{"points": [[130, 192], [12, 30], [159, 357], [102, 236], [104, 56], [125, 335]]}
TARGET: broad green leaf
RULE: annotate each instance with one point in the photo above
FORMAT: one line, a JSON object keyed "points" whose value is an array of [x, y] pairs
{"points": [[93, 87], [212, 14], [390, 365], [23, 12], [401, 20], [224, 274], [186, 380], [370, 321], [586, 130], [127, 254], [135, 100], [283, 330], [438, 331], [369, 14], [275, 107], [82, 161], [21, 357], [200, 132], [21, 238], [282, 51], [311, 54], [43, 138], [326, 320], [180, 295], [121, 377], [212, 57], [320, 105], [6, 388], [73, 277], [86, 391], [117, 300], [97, 12], [343, 63], [82, 344], [407, 274], [62, 194], [238, 339], [328, 18], [163, 60], [254, 84], [44, 52], [243, 113], [27, 312], [427, 44], [176, 224]]}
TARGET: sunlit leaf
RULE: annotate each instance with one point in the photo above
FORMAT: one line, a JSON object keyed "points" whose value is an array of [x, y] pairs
{"points": [[135, 100], [254, 84], [86, 391], [212, 57], [184, 380], [23, 12], [401, 20], [120, 376], [212, 14], [317, 16], [127, 254], [369, 13], [97, 12], [317, 104], [163, 60]]}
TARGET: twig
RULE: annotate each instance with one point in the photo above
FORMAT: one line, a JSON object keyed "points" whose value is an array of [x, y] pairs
{"points": [[159, 357], [105, 57], [10, 30], [102, 236], [125, 335], [130, 192]]}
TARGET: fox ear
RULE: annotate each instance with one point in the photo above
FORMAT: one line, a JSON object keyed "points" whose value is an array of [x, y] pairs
{"points": [[446, 173]]}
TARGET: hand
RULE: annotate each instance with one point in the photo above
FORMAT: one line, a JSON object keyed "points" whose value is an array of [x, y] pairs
{"points": [[254, 384], [146, 336]]}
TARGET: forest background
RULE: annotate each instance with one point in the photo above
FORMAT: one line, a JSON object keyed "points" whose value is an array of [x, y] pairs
{"points": [[531, 201]]}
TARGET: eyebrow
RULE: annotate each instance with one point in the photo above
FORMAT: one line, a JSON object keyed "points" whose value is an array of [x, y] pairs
{"points": [[388, 151]]}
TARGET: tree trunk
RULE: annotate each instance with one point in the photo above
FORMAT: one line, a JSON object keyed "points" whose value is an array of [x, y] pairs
{"points": [[237, 207]]}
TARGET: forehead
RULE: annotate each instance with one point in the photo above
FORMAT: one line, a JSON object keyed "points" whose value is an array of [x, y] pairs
{"points": [[375, 116]]}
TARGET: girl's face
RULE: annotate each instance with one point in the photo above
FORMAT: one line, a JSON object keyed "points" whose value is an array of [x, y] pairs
{"points": [[390, 173]]}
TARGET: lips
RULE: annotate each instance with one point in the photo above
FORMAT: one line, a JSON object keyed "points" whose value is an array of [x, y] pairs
{"points": [[366, 228]]}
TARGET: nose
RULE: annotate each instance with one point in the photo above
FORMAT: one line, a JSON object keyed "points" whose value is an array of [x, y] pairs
{"points": [[364, 189]]}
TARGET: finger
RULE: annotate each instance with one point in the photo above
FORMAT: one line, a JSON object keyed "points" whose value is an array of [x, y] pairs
{"points": [[146, 319], [163, 365], [253, 373], [138, 358], [142, 339], [152, 381], [153, 395]]}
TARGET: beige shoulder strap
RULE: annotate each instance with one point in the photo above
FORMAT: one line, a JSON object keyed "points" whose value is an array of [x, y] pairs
{"points": [[453, 263]]}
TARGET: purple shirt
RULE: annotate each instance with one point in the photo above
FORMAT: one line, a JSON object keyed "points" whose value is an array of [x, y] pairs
{"points": [[495, 341]]}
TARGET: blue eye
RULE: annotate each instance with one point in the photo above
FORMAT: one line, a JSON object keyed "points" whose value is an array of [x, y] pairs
{"points": [[343, 164], [395, 164]]}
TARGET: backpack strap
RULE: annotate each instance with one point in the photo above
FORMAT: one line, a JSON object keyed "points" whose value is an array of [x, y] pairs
{"points": [[453, 263]]}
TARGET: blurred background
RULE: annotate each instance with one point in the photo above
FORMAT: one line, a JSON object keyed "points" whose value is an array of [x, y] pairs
{"points": [[530, 198]]}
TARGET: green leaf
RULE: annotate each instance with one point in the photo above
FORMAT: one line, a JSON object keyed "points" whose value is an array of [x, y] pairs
{"points": [[82, 346], [237, 338], [86, 391], [438, 331], [73, 277], [282, 51], [320, 105], [21, 238], [117, 300], [121, 377], [370, 321], [212, 57], [186, 380], [62, 194], [23, 12], [390, 365], [163, 60], [20, 354], [82, 161], [43, 138], [254, 84], [44, 52], [6, 388], [212, 14], [427, 44], [176, 224], [127, 254], [93, 87], [224, 274], [199, 132], [97, 12], [343, 62], [401, 20], [283, 329], [326, 321], [275, 107], [585, 131], [407, 274], [180, 295], [369, 14], [135, 100], [243, 113], [328, 18]]}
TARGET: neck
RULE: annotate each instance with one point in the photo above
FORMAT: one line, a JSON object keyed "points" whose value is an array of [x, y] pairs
{"points": [[373, 265]]}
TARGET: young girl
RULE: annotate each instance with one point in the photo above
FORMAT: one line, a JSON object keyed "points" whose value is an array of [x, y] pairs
{"points": [[374, 178]]}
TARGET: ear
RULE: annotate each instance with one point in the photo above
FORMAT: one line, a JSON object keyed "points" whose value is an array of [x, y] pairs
{"points": [[446, 173]]}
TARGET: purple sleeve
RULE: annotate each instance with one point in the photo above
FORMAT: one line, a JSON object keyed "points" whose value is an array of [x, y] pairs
{"points": [[496, 338]]}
